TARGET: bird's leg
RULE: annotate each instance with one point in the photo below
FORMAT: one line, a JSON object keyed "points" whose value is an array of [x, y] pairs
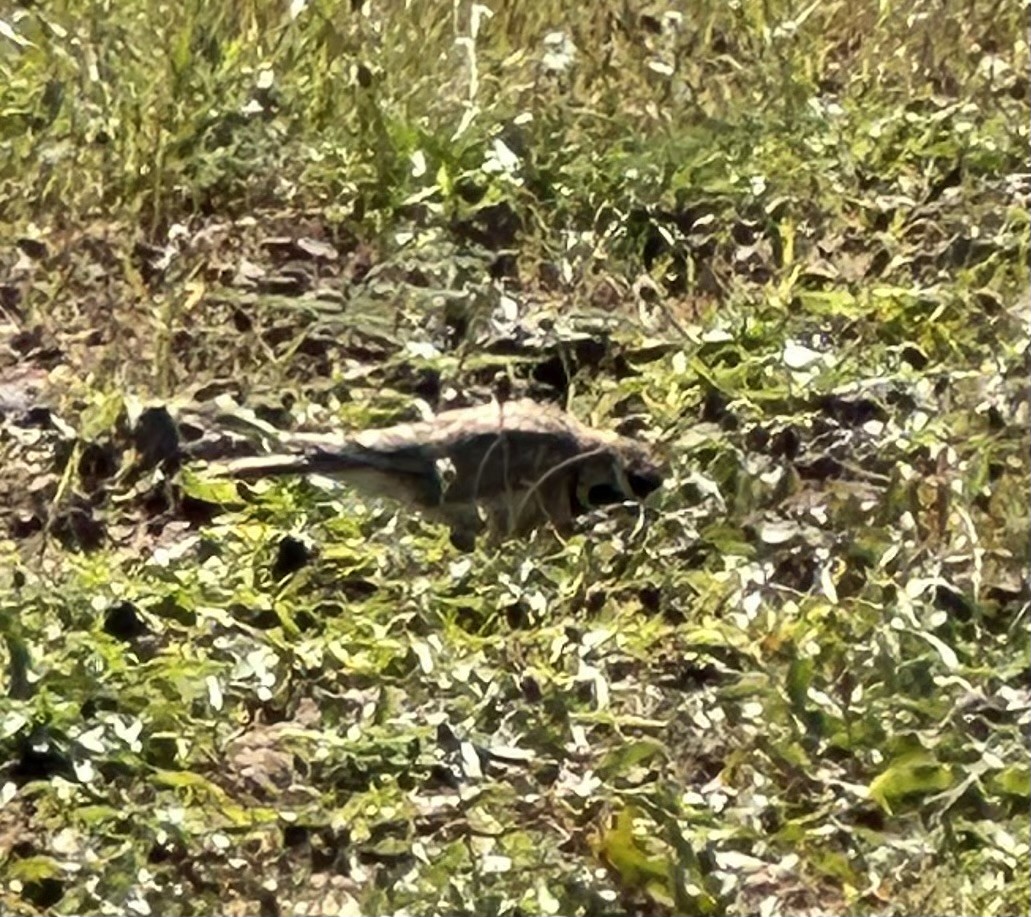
{"points": [[502, 393], [502, 390]]}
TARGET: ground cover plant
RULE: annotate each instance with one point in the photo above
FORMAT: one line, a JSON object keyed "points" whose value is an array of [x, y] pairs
{"points": [[786, 242]]}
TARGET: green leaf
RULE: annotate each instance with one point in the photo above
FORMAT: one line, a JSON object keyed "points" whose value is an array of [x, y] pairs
{"points": [[218, 491], [627, 756], [800, 676], [619, 849], [1012, 781], [33, 869], [917, 774]]}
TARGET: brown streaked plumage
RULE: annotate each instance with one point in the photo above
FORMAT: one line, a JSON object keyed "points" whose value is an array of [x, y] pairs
{"points": [[522, 463]]}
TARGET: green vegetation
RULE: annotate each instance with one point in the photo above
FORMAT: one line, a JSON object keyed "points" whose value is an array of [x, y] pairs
{"points": [[787, 241]]}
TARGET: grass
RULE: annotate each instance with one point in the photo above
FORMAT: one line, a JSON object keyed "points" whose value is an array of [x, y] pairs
{"points": [[788, 241]]}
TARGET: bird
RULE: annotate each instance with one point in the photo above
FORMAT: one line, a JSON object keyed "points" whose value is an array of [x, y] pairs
{"points": [[505, 466]]}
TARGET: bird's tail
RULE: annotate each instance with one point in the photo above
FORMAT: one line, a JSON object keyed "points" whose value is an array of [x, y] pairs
{"points": [[336, 461], [253, 467], [408, 477]]}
